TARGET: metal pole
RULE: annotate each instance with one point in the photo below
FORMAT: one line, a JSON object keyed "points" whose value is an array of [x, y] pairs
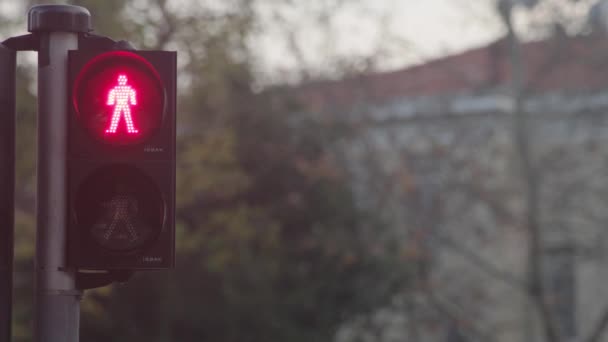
{"points": [[7, 187], [57, 299]]}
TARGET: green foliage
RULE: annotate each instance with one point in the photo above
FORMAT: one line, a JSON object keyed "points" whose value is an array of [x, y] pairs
{"points": [[106, 15], [25, 226]]}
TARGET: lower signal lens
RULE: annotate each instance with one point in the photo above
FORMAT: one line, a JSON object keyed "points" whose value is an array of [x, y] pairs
{"points": [[119, 208]]}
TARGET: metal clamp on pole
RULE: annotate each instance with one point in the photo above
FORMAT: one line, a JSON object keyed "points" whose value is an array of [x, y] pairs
{"points": [[91, 280], [57, 298]]}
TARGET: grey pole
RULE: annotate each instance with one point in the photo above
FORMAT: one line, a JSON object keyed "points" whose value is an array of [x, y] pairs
{"points": [[57, 299], [7, 186]]}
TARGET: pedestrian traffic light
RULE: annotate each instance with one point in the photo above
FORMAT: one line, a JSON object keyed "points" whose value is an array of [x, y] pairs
{"points": [[121, 159]]}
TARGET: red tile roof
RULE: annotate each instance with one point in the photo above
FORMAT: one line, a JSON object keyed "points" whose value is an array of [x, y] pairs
{"points": [[566, 64]]}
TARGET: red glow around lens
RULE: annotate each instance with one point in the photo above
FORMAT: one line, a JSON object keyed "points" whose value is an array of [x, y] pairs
{"points": [[119, 98]]}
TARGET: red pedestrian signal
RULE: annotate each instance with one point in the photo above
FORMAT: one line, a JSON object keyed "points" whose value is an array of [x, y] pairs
{"points": [[121, 159], [122, 97], [119, 98]]}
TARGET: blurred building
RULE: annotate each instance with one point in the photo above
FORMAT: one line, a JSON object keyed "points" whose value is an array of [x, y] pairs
{"points": [[432, 148]]}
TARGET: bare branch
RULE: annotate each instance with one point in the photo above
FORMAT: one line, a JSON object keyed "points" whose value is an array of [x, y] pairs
{"points": [[485, 266]]}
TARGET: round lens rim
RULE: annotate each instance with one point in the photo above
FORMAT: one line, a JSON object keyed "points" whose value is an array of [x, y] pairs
{"points": [[115, 171], [98, 64]]}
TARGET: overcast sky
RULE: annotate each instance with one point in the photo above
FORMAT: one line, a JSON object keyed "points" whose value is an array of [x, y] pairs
{"points": [[408, 31], [413, 30]]}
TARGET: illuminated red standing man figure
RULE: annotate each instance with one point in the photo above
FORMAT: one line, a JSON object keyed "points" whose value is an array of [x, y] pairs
{"points": [[122, 97]]}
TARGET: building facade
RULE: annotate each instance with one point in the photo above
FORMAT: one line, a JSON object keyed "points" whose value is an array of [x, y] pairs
{"points": [[500, 202]]}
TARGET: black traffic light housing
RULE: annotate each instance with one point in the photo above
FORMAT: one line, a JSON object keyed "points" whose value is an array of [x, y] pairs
{"points": [[121, 159]]}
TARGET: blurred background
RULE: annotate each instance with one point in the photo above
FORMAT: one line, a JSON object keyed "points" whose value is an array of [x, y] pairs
{"points": [[363, 170]]}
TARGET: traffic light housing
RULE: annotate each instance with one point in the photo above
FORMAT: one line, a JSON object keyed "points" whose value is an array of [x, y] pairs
{"points": [[121, 159]]}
